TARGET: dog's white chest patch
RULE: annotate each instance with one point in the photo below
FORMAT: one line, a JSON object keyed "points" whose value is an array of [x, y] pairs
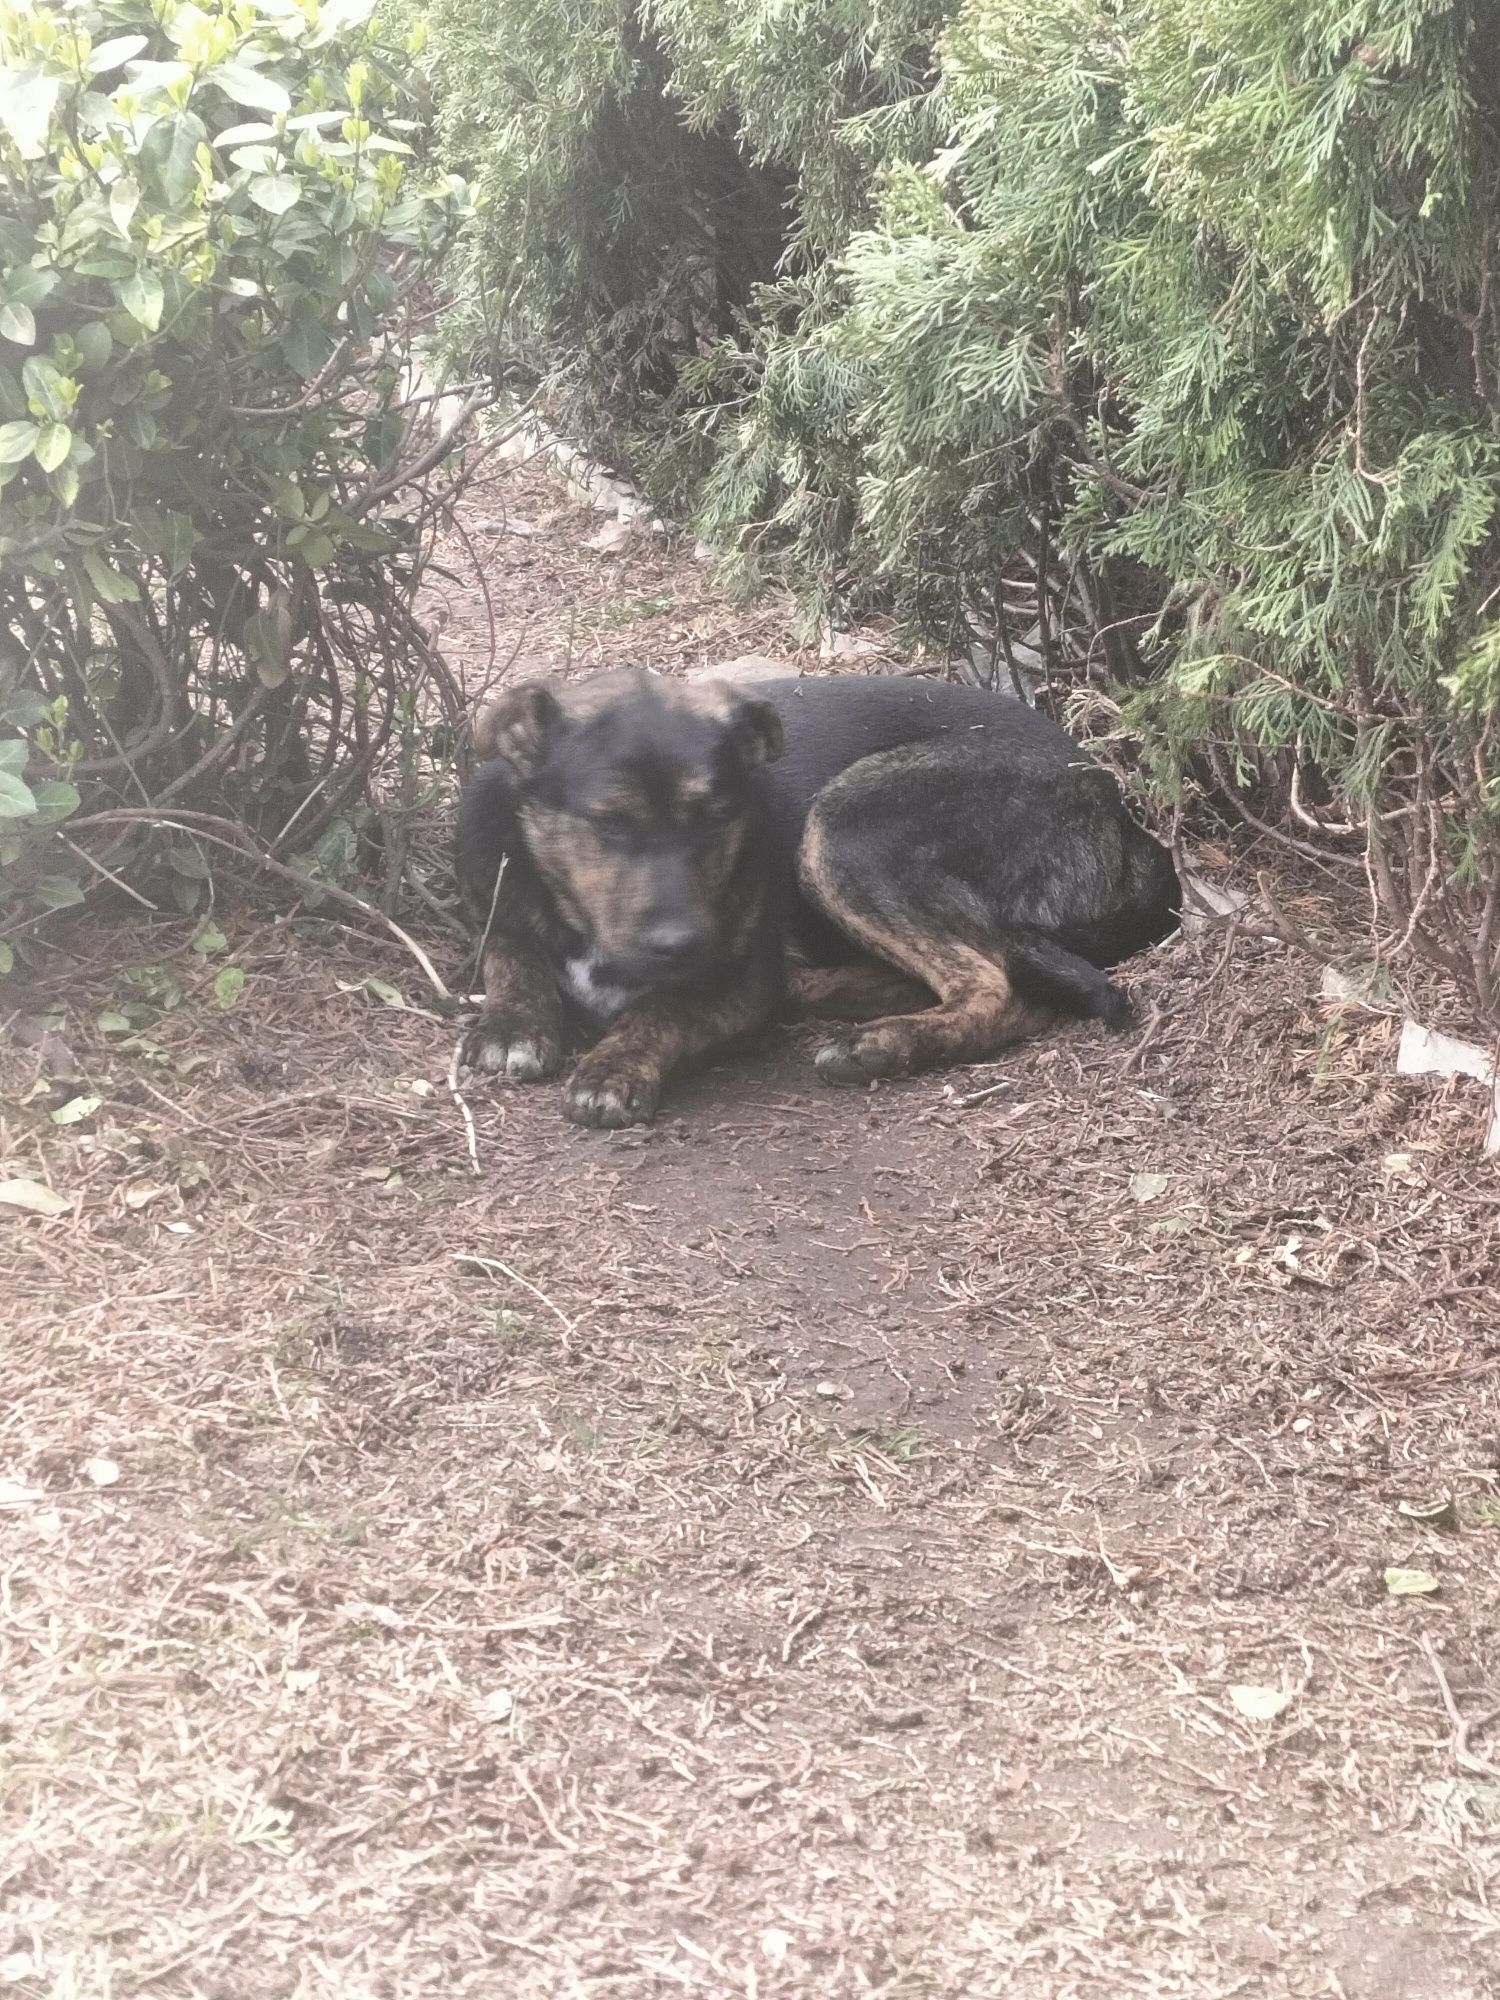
{"points": [[598, 997]]}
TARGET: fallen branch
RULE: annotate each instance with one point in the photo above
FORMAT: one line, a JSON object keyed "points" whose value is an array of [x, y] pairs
{"points": [[224, 833], [1458, 1742], [492, 1264]]}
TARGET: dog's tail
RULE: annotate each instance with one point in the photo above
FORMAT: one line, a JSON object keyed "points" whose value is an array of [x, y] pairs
{"points": [[1046, 971]]}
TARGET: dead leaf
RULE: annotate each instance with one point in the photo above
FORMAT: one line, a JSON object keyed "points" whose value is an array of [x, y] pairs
{"points": [[33, 1196], [744, 1791], [497, 1705], [76, 1110], [357, 1610], [103, 1471], [378, 989], [1410, 1582], [610, 539], [14, 1494], [1146, 1187], [1430, 1513], [1260, 1704], [141, 1194]]}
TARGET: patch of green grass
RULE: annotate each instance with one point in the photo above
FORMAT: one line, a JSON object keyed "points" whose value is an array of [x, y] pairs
{"points": [[283, 1526], [903, 1445], [631, 610], [512, 1330]]}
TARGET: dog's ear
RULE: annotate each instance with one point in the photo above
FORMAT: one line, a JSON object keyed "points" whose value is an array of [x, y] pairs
{"points": [[758, 728], [516, 725]]}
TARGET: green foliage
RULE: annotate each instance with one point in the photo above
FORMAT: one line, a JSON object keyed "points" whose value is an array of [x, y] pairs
{"points": [[643, 169], [212, 221], [1175, 321]]}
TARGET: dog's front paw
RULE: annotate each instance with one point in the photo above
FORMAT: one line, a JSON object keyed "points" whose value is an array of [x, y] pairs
{"points": [[499, 1045], [611, 1094]]}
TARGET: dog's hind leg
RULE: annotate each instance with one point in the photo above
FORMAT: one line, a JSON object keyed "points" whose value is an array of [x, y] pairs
{"points": [[979, 1013], [855, 992], [1003, 881], [906, 925]]}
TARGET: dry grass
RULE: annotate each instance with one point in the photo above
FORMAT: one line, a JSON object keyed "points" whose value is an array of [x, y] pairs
{"points": [[803, 1552]]}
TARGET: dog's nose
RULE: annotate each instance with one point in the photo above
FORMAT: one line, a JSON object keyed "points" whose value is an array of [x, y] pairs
{"points": [[669, 940]]}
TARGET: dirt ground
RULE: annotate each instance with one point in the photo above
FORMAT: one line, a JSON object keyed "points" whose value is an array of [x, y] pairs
{"points": [[927, 1542]]}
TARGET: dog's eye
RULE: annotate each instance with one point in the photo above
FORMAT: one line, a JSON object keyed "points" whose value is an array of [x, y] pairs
{"points": [[611, 825]]}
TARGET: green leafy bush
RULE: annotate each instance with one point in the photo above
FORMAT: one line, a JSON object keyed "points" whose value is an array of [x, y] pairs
{"points": [[1153, 343], [216, 222]]}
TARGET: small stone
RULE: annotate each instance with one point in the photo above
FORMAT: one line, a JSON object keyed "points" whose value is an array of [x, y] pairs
{"points": [[748, 667], [610, 539]]}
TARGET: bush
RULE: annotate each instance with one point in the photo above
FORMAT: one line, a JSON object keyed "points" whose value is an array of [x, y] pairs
{"points": [[216, 223], [1230, 268], [1148, 342], [645, 169]]}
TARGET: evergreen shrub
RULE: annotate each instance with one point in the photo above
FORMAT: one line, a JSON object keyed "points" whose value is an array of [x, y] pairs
{"points": [[1150, 341]]}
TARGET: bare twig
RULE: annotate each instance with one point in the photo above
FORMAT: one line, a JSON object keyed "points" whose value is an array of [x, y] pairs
{"points": [[406, 475], [493, 1264], [310, 394], [224, 833], [1458, 1741], [109, 875], [456, 1093], [1288, 840]]}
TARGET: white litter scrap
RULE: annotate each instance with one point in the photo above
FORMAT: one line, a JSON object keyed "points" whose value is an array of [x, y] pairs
{"points": [[1204, 903], [1428, 1052], [610, 539], [1423, 1051], [1360, 986], [834, 645]]}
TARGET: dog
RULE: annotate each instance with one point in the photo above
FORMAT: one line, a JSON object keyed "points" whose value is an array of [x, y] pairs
{"points": [[657, 868]]}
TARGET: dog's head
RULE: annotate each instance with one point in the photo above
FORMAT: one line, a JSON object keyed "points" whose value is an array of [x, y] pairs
{"points": [[635, 798]]}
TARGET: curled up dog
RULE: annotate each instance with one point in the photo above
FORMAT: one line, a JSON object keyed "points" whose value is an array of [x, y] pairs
{"points": [[658, 868]]}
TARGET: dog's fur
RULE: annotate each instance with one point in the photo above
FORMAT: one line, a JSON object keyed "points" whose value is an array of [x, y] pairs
{"points": [[651, 875]]}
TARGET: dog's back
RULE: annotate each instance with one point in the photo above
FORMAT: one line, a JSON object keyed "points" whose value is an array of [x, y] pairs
{"points": [[1027, 793], [830, 722]]}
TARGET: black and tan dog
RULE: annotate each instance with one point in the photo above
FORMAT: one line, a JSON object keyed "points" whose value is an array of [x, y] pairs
{"points": [[647, 859]]}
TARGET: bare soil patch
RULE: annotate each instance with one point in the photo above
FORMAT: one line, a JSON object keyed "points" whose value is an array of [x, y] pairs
{"points": [[825, 1546]]}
